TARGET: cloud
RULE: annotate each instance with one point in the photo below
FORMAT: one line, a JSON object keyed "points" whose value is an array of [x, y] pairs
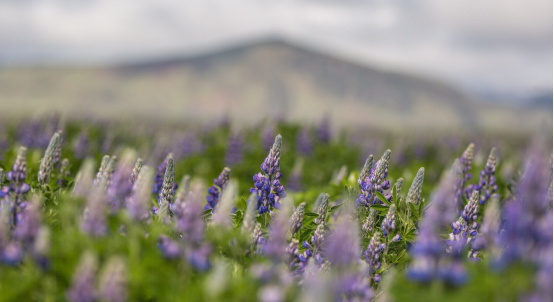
{"points": [[496, 45]]}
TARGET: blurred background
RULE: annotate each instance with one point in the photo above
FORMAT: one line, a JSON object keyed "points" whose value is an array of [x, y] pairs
{"points": [[432, 64]]}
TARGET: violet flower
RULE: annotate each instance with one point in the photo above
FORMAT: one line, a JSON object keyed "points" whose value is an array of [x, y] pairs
{"points": [[214, 192]]}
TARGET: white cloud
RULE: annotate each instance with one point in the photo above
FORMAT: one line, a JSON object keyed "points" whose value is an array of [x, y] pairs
{"points": [[495, 45]]}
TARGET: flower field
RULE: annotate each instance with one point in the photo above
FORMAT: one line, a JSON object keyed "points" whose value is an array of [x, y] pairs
{"points": [[97, 211]]}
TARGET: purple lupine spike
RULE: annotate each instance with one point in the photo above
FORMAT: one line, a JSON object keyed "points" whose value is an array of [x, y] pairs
{"points": [[48, 161], [322, 210], [18, 174], [82, 145], [120, 186], [268, 135], [375, 182], [170, 249], [258, 239], [366, 170], [292, 252], [93, 221], [372, 255], [343, 244], [324, 130], [464, 170], [159, 177], [58, 149], [296, 219], [488, 237], [29, 223], [189, 145], [199, 257], [113, 282], [487, 181], [234, 152], [268, 186], [84, 179], [388, 225], [523, 238], [369, 224], [427, 251], [137, 203], [469, 214], [277, 244], [136, 170], [165, 198], [83, 284], [304, 143], [215, 191], [188, 217]]}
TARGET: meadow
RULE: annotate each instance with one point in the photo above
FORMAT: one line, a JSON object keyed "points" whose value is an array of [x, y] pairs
{"points": [[279, 211]]}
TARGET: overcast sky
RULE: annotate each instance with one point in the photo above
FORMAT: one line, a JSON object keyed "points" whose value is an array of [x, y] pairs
{"points": [[501, 46]]}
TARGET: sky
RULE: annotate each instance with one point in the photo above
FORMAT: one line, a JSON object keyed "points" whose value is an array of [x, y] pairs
{"points": [[493, 48]]}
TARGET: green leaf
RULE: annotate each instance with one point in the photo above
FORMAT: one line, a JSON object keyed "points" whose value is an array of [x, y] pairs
{"points": [[334, 208], [379, 207], [382, 198], [415, 212]]}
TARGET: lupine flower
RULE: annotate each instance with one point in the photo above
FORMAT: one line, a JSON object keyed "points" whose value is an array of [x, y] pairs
{"points": [[296, 219], [41, 247], [169, 248], [81, 146], [304, 144], [84, 179], [94, 217], [464, 170], [58, 149], [366, 170], [47, 162], [388, 225], [324, 130], [82, 286], [64, 173], [249, 220], [18, 174], [399, 183], [101, 169], [120, 186], [199, 257], [159, 177], [1, 177], [113, 281], [343, 244], [214, 192], [168, 189], [369, 224], [292, 252], [188, 217], [488, 237], [136, 170], [29, 223], [258, 240], [137, 203], [414, 194], [233, 154], [487, 181], [372, 255], [268, 185], [524, 237], [375, 182], [427, 251], [276, 246], [322, 210], [107, 174], [222, 217], [184, 190]]}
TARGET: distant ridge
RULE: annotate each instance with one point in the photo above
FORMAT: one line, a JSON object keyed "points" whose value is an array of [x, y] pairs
{"points": [[248, 81]]}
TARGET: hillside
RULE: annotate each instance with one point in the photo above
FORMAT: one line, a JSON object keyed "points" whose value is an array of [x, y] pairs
{"points": [[249, 82]]}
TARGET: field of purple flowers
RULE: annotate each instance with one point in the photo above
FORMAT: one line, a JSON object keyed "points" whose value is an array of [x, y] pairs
{"points": [[96, 211]]}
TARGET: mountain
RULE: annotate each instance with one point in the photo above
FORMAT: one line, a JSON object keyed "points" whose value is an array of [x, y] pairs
{"points": [[248, 81]]}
